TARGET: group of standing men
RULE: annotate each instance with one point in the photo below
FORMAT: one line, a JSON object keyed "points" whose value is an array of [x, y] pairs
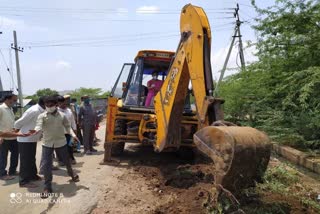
{"points": [[58, 121]]}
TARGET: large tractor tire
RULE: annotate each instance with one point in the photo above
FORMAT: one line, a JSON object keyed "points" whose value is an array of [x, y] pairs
{"points": [[120, 129]]}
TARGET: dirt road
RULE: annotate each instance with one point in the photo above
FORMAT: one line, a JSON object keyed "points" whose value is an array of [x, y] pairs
{"points": [[130, 187], [81, 197], [142, 182]]}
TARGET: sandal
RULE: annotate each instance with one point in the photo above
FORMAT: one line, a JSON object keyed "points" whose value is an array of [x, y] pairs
{"points": [[76, 178]]}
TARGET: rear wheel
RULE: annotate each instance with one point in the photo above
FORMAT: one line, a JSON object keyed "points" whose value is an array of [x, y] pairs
{"points": [[120, 129]]}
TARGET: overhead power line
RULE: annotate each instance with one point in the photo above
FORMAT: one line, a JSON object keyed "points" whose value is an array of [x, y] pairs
{"points": [[246, 5], [100, 38], [107, 19], [104, 43], [12, 83], [96, 10], [4, 60], [52, 11], [100, 43], [110, 39]]}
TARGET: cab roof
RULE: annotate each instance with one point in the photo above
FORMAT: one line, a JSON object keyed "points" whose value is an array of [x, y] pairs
{"points": [[155, 54]]}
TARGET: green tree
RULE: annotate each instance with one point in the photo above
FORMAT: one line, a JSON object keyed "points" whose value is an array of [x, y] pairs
{"points": [[42, 92], [92, 92], [280, 93], [104, 94]]}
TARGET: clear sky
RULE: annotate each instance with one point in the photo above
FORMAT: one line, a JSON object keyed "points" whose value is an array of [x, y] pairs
{"points": [[70, 44]]}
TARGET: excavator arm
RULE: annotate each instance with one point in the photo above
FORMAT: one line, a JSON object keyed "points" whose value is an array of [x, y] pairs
{"points": [[240, 154], [191, 62]]}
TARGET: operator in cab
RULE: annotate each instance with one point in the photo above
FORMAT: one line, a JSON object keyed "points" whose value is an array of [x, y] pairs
{"points": [[154, 86]]}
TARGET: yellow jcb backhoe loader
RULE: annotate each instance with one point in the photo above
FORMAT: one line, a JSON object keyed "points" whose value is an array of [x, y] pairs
{"points": [[240, 154]]}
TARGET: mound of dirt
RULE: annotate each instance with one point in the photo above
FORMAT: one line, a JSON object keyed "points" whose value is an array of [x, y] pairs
{"points": [[185, 177], [196, 199], [190, 187], [184, 186], [166, 183]]}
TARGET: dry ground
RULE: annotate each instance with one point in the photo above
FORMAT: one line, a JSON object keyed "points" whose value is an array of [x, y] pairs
{"points": [[146, 182], [167, 183]]}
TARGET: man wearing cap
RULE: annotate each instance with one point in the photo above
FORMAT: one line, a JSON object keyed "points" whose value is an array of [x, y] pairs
{"points": [[87, 120]]}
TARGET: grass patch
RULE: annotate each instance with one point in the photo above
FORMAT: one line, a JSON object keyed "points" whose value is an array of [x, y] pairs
{"points": [[282, 191], [285, 181], [281, 176]]}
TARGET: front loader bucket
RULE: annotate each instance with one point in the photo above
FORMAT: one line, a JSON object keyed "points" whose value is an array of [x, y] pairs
{"points": [[240, 154]]}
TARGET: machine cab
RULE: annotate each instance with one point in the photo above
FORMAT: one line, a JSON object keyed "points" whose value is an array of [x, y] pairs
{"points": [[135, 85]]}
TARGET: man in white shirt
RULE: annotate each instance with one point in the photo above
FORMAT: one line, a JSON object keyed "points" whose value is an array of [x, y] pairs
{"points": [[28, 145], [54, 125], [9, 144], [68, 113]]}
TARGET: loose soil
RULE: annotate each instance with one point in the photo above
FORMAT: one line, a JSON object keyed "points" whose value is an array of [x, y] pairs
{"points": [[170, 183]]}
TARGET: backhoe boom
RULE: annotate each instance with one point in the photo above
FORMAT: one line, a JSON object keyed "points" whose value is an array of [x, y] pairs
{"points": [[240, 154], [192, 62]]}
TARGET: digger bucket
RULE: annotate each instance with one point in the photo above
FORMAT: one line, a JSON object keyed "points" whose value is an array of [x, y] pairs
{"points": [[240, 154]]}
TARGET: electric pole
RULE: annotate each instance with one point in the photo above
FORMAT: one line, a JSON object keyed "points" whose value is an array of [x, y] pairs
{"points": [[238, 23], [1, 87], [227, 59], [236, 34], [17, 49]]}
